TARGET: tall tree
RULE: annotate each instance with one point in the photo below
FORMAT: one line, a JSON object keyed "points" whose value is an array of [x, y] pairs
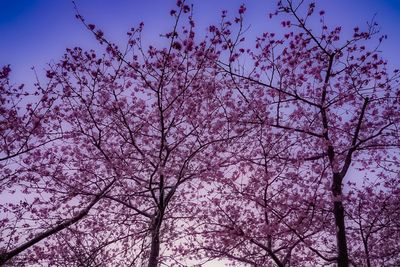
{"points": [[142, 128], [335, 98]]}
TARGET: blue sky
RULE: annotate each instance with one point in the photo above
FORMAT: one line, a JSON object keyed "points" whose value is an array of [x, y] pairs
{"points": [[35, 32]]}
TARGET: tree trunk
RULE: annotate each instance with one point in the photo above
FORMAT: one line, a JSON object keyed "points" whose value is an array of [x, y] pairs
{"points": [[338, 210], [155, 242]]}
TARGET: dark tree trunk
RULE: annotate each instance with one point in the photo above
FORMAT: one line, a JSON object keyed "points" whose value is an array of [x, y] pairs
{"points": [[155, 242], [338, 210], [368, 258]]}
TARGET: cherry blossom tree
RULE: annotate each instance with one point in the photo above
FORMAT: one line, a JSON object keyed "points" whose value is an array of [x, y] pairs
{"points": [[141, 128], [337, 101], [373, 222], [25, 127], [282, 154]]}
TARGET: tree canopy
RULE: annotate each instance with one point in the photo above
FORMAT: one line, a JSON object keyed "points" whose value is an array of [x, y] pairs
{"points": [[282, 151]]}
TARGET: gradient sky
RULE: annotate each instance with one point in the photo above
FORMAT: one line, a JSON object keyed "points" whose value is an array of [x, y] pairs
{"points": [[35, 32]]}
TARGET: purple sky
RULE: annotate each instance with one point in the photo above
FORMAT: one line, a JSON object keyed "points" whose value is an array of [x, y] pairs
{"points": [[35, 32]]}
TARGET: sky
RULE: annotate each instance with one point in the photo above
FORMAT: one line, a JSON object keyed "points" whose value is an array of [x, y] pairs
{"points": [[36, 32]]}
